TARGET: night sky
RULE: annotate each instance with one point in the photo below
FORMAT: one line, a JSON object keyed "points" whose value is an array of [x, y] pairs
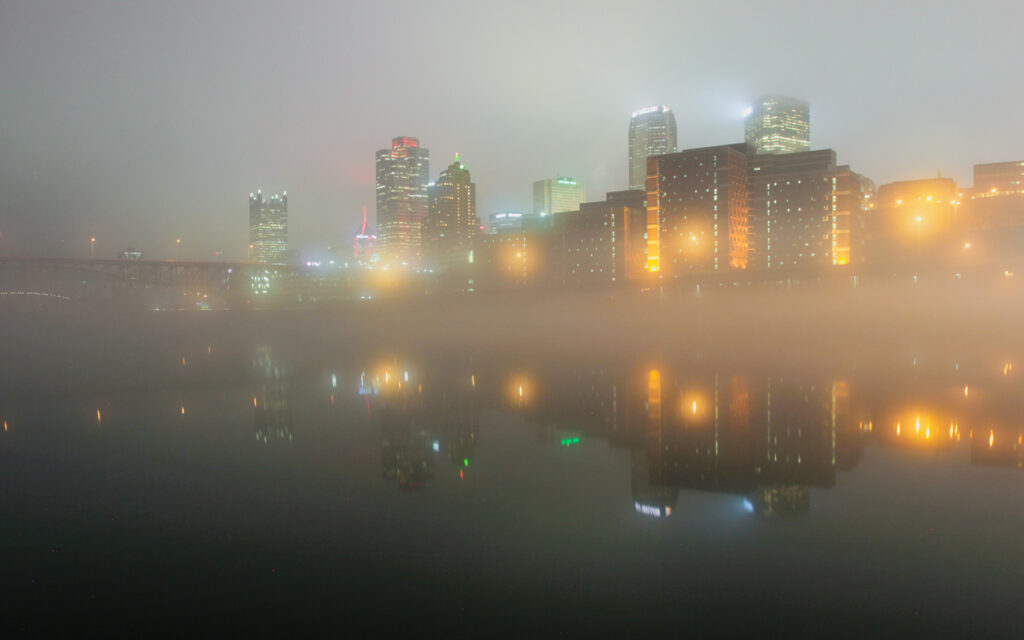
{"points": [[139, 123]]}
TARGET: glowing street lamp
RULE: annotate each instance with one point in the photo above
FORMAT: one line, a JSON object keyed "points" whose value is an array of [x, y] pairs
{"points": [[92, 248]]}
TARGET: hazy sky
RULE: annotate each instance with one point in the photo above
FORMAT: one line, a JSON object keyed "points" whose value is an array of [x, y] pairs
{"points": [[142, 122]]}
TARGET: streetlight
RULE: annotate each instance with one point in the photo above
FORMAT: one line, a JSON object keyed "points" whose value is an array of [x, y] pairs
{"points": [[177, 248], [92, 248]]}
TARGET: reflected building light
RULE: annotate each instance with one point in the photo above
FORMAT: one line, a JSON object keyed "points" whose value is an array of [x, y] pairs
{"points": [[99, 417], [748, 506], [652, 510], [183, 411]]}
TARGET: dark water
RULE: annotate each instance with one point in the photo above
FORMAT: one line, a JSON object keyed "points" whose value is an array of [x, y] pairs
{"points": [[271, 487]]}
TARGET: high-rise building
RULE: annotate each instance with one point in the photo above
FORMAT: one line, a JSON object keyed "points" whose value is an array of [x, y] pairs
{"points": [[403, 173], [697, 210], [652, 132], [778, 124], [451, 222], [557, 195], [268, 228]]}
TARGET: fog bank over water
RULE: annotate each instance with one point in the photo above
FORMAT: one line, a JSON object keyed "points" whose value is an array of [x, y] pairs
{"points": [[60, 347]]}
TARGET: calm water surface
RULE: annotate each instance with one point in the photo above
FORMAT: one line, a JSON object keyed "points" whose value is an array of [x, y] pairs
{"points": [[465, 493]]}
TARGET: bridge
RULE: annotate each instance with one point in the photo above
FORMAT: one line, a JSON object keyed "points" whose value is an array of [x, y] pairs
{"points": [[167, 282]]}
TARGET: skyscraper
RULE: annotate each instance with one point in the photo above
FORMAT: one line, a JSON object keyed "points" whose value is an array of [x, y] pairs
{"points": [[268, 228], [652, 132], [451, 222], [697, 210], [778, 124], [403, 172], [557, 195]]}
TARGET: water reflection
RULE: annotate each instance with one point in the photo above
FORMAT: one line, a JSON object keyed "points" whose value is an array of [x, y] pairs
{"points": [[768, 440], [271, 401]]}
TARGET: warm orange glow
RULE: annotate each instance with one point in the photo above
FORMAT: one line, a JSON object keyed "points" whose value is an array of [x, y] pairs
{"points": [[254, 404], [183, 361], [991, 438], [696, 408], [99, 418], [928, 430], [519, 391], [965, 390], [654, 395], [183, 411], [1007, 368]]}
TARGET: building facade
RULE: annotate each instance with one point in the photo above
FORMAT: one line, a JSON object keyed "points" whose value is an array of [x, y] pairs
{"points": [[604, 241], [557, 195], [792, 210], [403, 173], [997, 178], [451, 222], [652, 132], [779, 124], [697, 211], [268, 228]]}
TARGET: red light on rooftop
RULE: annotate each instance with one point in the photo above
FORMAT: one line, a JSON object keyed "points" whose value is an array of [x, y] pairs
{"points": [[404, 141]]}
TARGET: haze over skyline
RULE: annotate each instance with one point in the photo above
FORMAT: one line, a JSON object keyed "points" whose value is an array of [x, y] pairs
{"points": [[142, 124]]}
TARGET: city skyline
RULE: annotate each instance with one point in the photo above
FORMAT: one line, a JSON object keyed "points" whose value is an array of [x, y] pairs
{"points": [[78, 162]]}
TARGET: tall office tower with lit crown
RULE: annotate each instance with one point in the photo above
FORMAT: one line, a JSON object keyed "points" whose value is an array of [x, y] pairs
{"points": [[778, 124], [557, 195], [268, 228], [403, 173], [451, 223], [652, 132], [697, 211]]}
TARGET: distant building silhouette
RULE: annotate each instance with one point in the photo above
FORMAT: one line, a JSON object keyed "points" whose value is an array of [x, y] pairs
{"points": [[556, 195], [268, 228]]}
